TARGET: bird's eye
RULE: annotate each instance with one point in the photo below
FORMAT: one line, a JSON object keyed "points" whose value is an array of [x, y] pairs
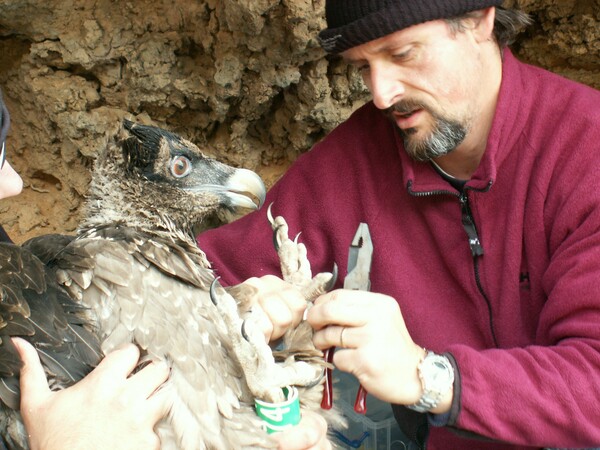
{"points": [[180, 166]]}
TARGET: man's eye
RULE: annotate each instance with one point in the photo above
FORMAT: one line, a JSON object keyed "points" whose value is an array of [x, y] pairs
{"points": [[180, 166], [363, 68], [403, 56]]}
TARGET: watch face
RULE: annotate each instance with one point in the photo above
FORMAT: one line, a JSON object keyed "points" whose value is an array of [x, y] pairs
{"points": [[437, 376], [437, 373], [440, 372]]}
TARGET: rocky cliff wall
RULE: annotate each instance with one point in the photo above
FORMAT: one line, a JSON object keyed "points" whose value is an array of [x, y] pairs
{"points": [[245, 79]]}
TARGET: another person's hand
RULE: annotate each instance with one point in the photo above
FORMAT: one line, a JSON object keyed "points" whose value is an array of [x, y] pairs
{"points": [[309, 434], [373, 342], [108, 409]]}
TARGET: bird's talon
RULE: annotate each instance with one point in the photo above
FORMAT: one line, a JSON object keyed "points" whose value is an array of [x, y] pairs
{"points": [[213, 292], [244, 334], [270, 215], [334, 276], [276, 242]]}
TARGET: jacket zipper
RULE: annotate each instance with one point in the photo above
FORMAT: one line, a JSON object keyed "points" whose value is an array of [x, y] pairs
{"points": [[474, 242]]}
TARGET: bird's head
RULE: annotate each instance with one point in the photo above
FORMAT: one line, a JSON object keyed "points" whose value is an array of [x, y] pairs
{"points": [[154, 179]]}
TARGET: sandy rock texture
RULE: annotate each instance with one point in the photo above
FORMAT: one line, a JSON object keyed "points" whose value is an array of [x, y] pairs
{"points": [[245, 79]]}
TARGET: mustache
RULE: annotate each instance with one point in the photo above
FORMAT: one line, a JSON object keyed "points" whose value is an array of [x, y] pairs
{"points": [[406, 106]]}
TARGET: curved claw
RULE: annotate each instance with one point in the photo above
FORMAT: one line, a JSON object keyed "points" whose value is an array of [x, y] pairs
{"points": [[270, 214], [297, 237], [276, 243], [244, 334], [275, 240], [318, 380], [334, 276], [212, 291]]}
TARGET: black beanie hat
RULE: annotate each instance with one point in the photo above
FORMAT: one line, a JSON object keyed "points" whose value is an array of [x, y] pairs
{"points": [[354, 22]]}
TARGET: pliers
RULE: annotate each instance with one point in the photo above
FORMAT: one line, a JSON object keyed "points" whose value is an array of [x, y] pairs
{"points": [[360, 257]]}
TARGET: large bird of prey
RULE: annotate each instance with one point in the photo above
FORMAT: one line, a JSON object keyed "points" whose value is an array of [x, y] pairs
{"points": [[133, 273]]}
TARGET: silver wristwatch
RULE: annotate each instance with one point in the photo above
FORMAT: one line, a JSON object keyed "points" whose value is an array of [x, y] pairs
{"points": [[437, 376]]}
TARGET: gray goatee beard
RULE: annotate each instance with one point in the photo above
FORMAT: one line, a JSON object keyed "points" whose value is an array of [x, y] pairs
{"points": [[447, 134]]}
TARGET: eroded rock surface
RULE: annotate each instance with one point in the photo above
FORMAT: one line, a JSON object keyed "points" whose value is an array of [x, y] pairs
{"points": [[245, 79]]}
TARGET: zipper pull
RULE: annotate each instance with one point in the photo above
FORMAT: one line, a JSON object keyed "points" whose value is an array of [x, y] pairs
{"points": [[469, 226]]}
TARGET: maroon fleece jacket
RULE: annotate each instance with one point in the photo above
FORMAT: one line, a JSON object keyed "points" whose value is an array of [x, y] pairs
{"points": [[522, 320]]}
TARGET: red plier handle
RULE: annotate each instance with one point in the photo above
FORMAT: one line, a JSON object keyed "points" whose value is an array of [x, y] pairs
{"points": [[359, 267], [327, 400]]}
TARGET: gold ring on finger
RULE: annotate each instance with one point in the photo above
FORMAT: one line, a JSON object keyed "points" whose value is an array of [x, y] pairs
{"points": [[342, 337]]}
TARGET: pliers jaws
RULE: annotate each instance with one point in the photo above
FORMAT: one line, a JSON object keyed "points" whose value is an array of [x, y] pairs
{"points": [[359, 260]]}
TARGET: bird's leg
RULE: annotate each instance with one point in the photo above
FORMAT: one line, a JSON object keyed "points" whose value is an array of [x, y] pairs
{"points": [[295, 268], [301, 364], [264, 377]]}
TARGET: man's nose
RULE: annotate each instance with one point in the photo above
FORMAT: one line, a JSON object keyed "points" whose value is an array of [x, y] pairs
{"points": [[385, 85]]}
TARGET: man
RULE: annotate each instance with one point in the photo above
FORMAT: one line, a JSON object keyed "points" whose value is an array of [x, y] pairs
{"points": [[477, 175]]}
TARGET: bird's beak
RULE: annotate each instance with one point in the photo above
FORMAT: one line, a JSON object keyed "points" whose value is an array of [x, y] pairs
{"points": [[246, 189]]}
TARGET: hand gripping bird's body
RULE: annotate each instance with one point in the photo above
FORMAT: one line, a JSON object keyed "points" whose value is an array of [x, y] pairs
{"points": [[134, 274]]}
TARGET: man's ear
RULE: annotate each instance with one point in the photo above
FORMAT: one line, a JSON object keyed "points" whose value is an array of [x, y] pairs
{"points": [[483, 26]]}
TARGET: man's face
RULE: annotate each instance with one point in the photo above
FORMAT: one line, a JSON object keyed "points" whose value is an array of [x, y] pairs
{"points": [[428, 81]]}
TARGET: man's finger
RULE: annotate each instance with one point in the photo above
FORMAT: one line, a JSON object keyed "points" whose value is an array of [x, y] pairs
{"points": [[262, 322], [33, 378], [309, 433], [159, 404], [335, 336], [120, 362], [149, 379], [340, 307], [279, 313]]}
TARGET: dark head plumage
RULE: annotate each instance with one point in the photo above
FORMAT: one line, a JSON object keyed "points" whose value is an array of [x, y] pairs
{"points": [[156, 180]]}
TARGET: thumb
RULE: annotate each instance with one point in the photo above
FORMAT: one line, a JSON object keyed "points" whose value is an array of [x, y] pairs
{"points": [[311, 432], [33, 378]]}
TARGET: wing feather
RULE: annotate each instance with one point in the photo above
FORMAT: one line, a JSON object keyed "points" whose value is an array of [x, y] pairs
{"points": [[33, 306], [10, 392]]}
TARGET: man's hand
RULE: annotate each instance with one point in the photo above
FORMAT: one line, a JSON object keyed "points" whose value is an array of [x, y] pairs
{"points": [[108, 409], [281, 302], [309, 434], [376, 347]]}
